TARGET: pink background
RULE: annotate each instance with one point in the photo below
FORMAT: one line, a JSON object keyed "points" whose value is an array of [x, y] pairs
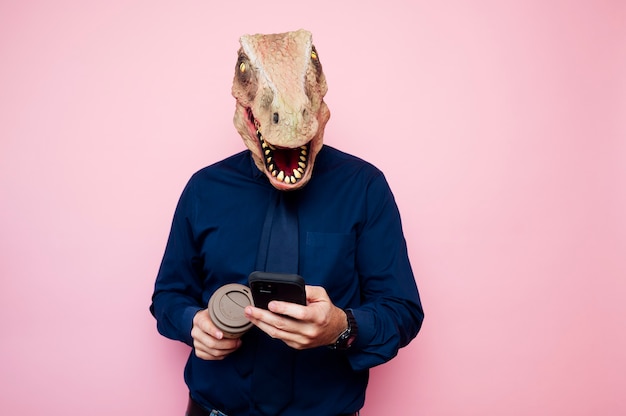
{"points": [[501, 126]]}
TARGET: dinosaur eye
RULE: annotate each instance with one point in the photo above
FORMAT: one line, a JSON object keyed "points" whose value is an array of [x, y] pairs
{"points": [[243, 69], [315, 61]]}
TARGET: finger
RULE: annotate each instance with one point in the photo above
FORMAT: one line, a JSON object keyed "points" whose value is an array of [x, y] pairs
{"points": [[293, 310], [223, 348], [257, 315], [315, 294], [283, 315], [203, 321], [210, 354], [207, 342], [212, 349], [276, 326], [296, 334]]}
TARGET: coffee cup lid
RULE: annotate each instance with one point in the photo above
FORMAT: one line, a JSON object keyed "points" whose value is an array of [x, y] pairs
{"points": [[226, 309]]}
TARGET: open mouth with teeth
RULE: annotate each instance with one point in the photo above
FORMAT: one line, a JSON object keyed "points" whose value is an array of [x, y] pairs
{"points": [[285, 164]]}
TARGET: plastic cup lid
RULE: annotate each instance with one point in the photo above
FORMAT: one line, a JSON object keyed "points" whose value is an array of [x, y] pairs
{"points": [[226, 309]]}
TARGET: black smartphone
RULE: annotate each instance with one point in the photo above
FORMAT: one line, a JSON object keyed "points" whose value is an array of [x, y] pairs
{"points": [[267, 286]]}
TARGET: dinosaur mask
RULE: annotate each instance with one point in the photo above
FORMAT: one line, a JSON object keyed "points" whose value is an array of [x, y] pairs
{"points": [[279, 87]]}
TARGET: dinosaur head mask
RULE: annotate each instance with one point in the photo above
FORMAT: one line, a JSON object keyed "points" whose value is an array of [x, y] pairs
{"points": [[279, 87]]}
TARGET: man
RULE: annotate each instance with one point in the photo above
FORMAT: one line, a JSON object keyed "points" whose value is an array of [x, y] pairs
{"points": [[362, 301]]}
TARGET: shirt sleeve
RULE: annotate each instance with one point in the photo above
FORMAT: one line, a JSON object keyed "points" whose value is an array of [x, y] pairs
{"points": [[178, 288], [390, 314]]}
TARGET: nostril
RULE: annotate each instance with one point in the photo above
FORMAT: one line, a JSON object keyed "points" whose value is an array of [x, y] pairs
{"points": [[275, 118]]}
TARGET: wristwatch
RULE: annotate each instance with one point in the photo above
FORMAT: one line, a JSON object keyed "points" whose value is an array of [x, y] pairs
{"points": [[347, 337]]}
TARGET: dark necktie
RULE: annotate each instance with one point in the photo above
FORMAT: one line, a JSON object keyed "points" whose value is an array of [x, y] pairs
{"points": [[272, 378], [278, 249]]}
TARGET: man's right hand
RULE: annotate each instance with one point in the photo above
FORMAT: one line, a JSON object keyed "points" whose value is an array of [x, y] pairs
{"points": [[208, 341]]}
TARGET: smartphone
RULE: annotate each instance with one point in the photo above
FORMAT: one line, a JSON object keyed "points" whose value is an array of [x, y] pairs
{"points": [[267, 286]]}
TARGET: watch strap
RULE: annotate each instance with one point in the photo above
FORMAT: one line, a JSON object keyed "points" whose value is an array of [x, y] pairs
{"points": [[347, 337]]}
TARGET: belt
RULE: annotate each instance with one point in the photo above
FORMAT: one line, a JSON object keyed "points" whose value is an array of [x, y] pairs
{"points": [[195, 409]]}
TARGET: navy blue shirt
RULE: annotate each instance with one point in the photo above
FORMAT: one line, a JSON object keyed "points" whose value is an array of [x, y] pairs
{"points": [[350, 242]]}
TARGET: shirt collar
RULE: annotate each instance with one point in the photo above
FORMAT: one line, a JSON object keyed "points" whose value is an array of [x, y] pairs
{"points": [[254, 171]]}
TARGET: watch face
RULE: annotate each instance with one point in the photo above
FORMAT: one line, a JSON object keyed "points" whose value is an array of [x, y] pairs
{"points": [[345, 339]]}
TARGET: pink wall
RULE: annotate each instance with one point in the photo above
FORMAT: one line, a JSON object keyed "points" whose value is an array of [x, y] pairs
{"points": [[501, 127]]}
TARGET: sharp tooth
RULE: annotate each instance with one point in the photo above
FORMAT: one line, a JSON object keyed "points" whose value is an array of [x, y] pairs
{"points": [[302, 165], [303, 152], [263, 145], [269, 159], [293, 179], [300, 170], [281, 175], [274, 173], [267, 152], [297, 174], [302, 158], [271, 168]]}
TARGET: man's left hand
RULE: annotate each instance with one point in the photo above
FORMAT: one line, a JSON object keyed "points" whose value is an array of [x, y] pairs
{"points": [[316, 324]]}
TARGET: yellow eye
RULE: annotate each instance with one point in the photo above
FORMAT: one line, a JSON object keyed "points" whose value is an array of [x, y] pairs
{"points": [[242, 67], [313, 54]]}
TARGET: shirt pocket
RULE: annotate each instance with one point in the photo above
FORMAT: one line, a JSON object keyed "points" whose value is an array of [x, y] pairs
{"points": [[330, 260]]}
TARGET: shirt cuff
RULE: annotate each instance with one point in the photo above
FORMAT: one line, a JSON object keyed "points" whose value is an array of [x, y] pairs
{"points": [[366, 322], [187, 323]]}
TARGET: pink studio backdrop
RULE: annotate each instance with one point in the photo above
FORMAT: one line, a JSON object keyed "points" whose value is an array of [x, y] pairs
{"points": [[501, 127]]}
